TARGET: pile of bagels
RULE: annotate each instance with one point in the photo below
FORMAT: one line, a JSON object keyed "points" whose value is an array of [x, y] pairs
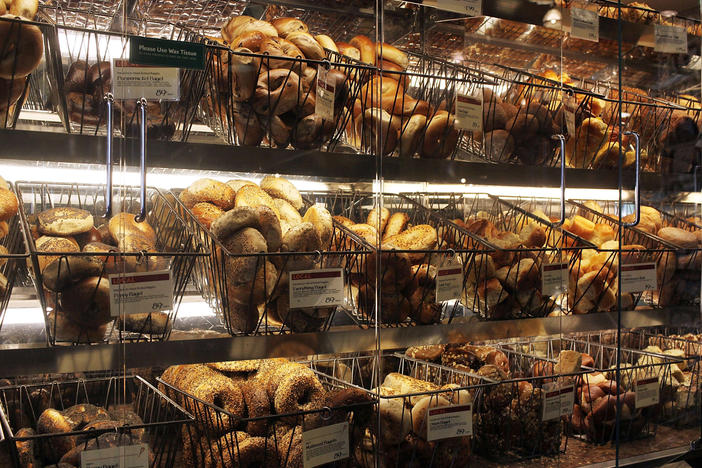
{"points": [[23, 50], [9, 206], [254, 393], [249, 221]]}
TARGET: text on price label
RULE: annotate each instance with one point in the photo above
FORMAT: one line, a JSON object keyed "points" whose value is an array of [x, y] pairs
{"points": [[647, 392], [445, 422], [554, 278], [465, 7], [469, 112], [584, 24], [558, 401], [325, 444], [670, 39], [131, 81], [317, 288], [326, 90], [140, 293], [128, 456], [638, 277], [449, 283]]}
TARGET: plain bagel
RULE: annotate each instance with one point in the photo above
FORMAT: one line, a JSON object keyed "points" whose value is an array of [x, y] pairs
{"points": [[23, 49]]}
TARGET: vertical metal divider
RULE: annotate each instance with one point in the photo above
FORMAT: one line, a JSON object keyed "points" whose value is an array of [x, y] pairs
{"points": [[617, 370], [377, 152]]}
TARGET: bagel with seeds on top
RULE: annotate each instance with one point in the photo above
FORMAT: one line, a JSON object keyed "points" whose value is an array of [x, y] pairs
{"points": [[279, 187]]}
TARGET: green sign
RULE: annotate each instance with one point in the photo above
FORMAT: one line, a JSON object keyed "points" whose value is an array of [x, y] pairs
{"points": [[165, 53]]}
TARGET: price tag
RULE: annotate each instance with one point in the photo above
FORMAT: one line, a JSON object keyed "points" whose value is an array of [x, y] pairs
{"points": [[326, 90], [445, 422], [647, 392], [558, 401], [449, 283], [469, 112], [325, 444], [465, 7], [554, 279], [127, 456], [131, 81], [584, 24], [670, 39], [317, 288], [638, 277], [570, 107], [140, 293]]}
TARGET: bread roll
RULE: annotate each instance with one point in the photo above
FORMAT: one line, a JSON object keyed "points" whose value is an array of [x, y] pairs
{"points": [[349, 50], [8, 204], [678, 237], [238, 25], [327, 42], [378, 218], [395, 224], [286, 26]]}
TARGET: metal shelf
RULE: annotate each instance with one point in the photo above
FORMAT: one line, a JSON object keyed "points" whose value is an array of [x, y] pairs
{"points": [[85, 149], [35, 358]]}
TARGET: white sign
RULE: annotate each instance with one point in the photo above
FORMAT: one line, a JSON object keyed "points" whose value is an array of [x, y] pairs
{"points": [[584, 24], [449, 283], [570, 107], [317, 288], [558, 401], [638, 277], [670, 39], [325, 444], [326, 90], [445, 422], [465, 7], [140, 293], [647, 392], [130, 81], [469, 112], [128, 456], [554, 278]]}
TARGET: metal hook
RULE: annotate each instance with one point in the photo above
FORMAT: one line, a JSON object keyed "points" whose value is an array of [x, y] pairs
{"points": [[561, 139], [109, 101], [141, 104]]}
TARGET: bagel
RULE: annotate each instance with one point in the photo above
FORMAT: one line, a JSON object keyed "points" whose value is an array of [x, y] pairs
{"points": [[211, 191], [236, 184], [307, 44], [24, 8], [10, 92], [250, 40], [279, 47], [22, 50], [299, 391], [289, 216], [376, 118], [349, 50], [234, 220], [238, 25], [253, 195], [8, 204], [83, 109], [392, 54], [381, 91], [327, 42], [280, 132], [406, 105], [60, 221], [441, 137], [311, 131], [322, 221], [366, 232], [277, 92], [412, 135], [87, 302], [301, 238], [206, 213], [287, 26], [366, 48], [395, 272], [394, 71], [245, 69], [247, 126], [279, 187]]}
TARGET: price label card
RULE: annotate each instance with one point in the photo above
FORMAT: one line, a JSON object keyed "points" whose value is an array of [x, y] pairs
{"points": [[131, 81], [326, 90], [469, 112], [554, 279], [570, 107], [128, 456], [670, 39], [317, 288], [465, 7], [445, 422], [449, 283], [647, 392], [638, 277], [325, 444], [140, 293], [584, 24], [558, 401]]}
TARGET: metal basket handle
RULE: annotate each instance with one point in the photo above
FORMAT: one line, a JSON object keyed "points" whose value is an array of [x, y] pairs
{"points": [[637, 186], [109, 101], [561, 140], [141, 104]]}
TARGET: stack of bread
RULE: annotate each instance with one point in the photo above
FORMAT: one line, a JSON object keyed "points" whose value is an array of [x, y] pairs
{"points": [[256, 393], [270, 88], [23, 49], [66, 451], [506, 283], [8, 210], [75, 286], [249, 221], [407, 278]]}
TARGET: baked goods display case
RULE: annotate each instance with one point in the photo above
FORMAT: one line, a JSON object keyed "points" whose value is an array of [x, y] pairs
{"points": [[361, 234]]}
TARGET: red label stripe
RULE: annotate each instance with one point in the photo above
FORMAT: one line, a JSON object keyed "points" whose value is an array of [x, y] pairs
{"points": [[449, 410], [452, 271], [321, 274], [140, 279]]}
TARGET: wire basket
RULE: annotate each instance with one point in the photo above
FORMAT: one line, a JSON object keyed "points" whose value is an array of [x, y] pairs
{"points": [[134, 412], [256, 99], [58, 274], [12, 262], [219, 438], [216, 280], [81, 66]]}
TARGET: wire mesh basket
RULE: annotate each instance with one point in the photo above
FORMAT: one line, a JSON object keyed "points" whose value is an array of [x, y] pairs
{"points": [[12, 255], [268, 292], [260, 99], [81, 66], [73, 282], [89, 414], [264, 437]]}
